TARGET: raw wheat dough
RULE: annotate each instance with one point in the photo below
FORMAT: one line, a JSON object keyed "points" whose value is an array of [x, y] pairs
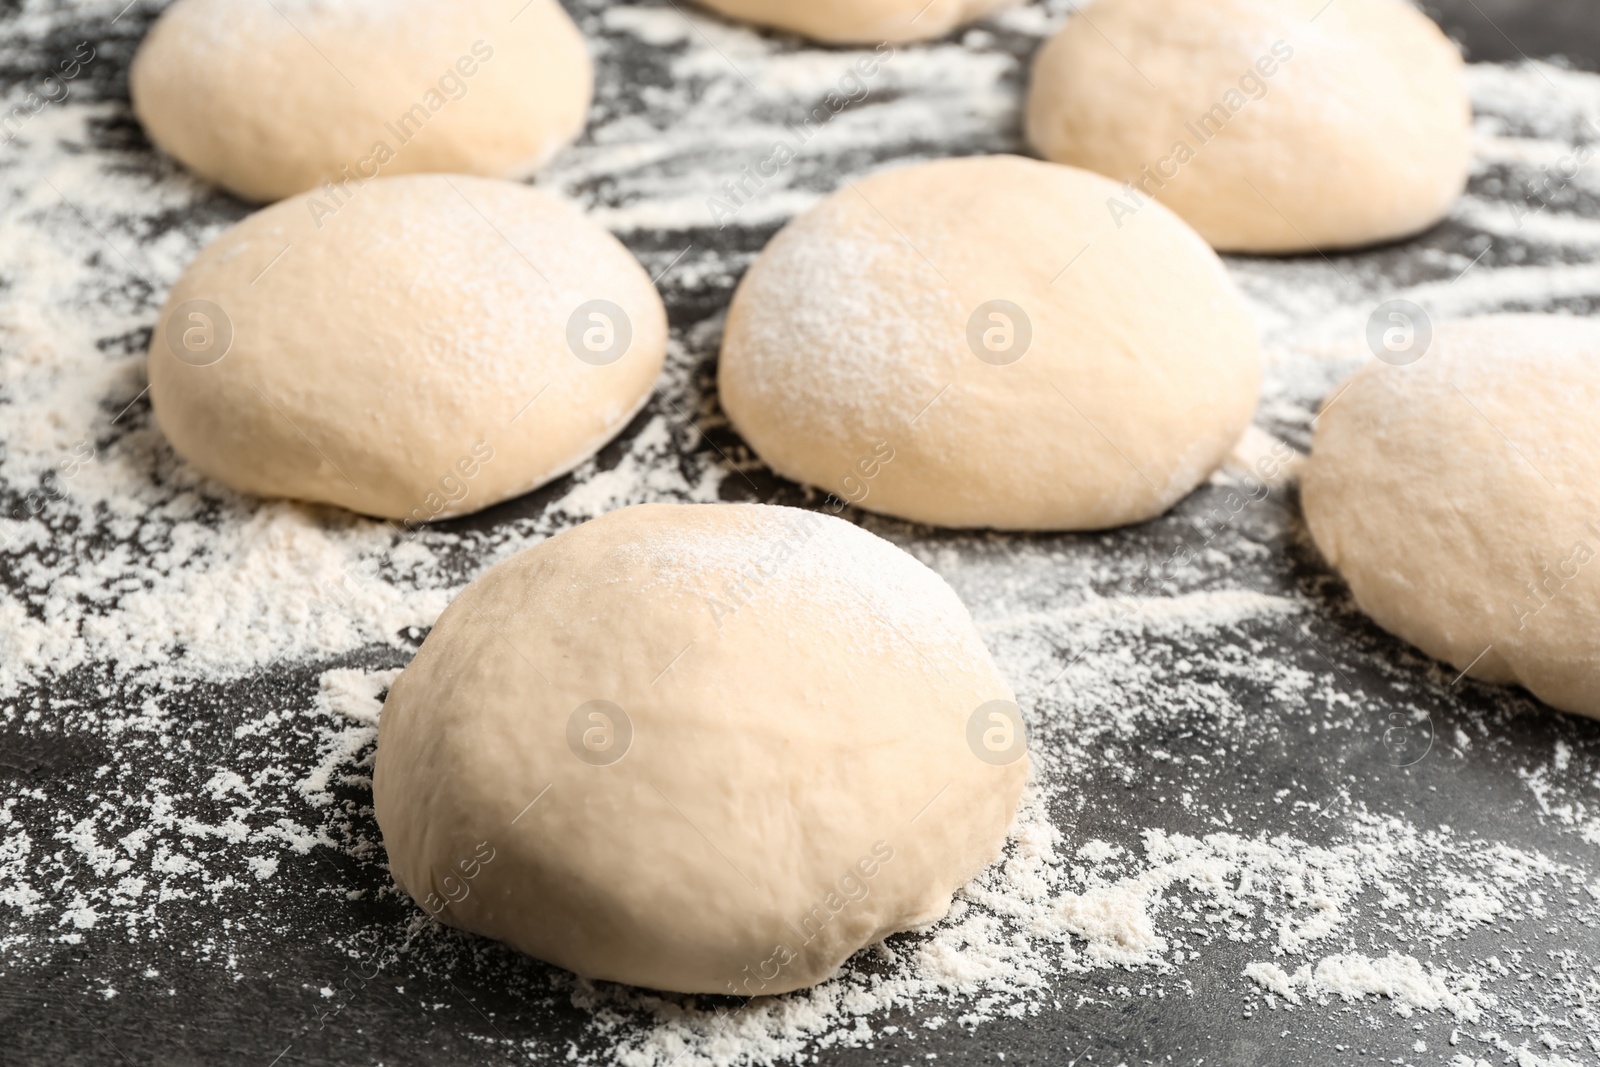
{"points": [[425, 349], [865, 352], [1460, 498], [860, 21], [1269, 125], [272, 97], [782, 772]]}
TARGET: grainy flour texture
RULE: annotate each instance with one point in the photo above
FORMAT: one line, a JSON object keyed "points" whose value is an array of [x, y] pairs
{"points": [[1259, 830]]}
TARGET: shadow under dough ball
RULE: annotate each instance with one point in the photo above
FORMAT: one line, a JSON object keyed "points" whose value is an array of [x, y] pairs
{"points": [[860, 21], [434, 345], [709, 748], [272, 99], [1270, 126], [974, 342], [1459, 495]]}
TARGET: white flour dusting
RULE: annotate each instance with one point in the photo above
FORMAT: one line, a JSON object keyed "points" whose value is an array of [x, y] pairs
{"points": [[148, 589]]}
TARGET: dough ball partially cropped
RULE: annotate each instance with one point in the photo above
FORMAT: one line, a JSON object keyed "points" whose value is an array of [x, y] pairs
{"points": [[860, 21], [425, 348], [1269, 125], [708, 748], [1460, 498], [269, 98], [973, 342]]}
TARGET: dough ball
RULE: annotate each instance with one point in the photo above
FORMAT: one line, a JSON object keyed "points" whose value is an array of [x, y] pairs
{"points": [[1270, 127], [711, 748], [860, 21], [973, 342], [1460, 498], [425, 348], [269, 98]]}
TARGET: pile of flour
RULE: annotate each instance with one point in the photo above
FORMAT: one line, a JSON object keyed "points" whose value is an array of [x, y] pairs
{"points": [[131, 586]]}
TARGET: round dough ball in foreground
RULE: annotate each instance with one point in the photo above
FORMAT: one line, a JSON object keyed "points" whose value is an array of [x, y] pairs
{"points": [[1265, 130], [972, 342], [272, 97], [860, 21], [436, 345], [1460, 498], [708, 748]]}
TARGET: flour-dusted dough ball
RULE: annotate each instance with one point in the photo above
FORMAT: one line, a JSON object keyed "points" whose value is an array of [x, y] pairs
{"points": [[972, 342], [860, 21], [1460, 498], [1269, 125], [428, 347], [272, 97], [710, 748]]}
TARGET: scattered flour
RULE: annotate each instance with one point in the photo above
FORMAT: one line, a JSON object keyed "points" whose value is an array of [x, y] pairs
{"points": [[1350, 977]]}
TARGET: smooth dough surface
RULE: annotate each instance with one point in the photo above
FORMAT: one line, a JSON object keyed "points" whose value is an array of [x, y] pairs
{"points": [[860, 350], [1269, 125], [411, 356], [1460, 498], [860, 21], [269, 98], [797, 781]]}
